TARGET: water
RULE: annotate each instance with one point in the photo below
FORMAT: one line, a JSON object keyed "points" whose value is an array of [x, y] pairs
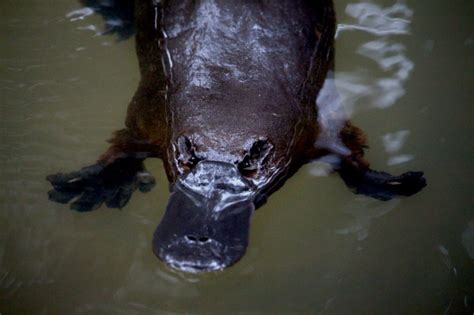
{"points": [[405, 72]]}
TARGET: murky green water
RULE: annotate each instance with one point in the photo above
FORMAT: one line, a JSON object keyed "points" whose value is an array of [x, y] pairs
{"points": [[406, 74]]}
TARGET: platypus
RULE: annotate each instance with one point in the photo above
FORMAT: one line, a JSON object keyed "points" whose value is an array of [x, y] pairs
{"points": [[234, 97]]}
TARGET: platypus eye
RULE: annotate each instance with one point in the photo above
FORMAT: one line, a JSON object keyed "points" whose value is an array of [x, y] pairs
{"points": [[185, 154], [248, 167], [255, 158]]}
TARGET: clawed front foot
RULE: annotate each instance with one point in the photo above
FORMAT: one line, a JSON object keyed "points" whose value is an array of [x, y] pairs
{"points": [[88, 188], [383, 186]]}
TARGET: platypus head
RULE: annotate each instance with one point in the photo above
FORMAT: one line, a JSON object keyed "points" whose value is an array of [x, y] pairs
{"points": [[206, 224], [207, 219]]}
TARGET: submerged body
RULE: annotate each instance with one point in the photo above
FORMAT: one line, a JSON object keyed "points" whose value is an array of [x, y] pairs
{"points": [[234, 98]]}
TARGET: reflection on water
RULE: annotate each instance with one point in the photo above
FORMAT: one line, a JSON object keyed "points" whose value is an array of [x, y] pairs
{"points": [[363, 212], [468, 239], [118, 17], [446, 259], [380, 89], [393, 142], [80, 14], [384, 88], [323, 251], [375, 19]]}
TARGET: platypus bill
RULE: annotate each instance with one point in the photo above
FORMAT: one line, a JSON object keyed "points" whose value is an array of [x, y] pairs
{"points": [[234, 97]]}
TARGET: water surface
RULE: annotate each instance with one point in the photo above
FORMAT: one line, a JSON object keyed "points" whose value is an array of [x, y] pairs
{"points": [[405, 74]]}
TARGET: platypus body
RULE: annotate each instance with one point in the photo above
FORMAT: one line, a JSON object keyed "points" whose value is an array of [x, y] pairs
{"points": [[234, 97]]}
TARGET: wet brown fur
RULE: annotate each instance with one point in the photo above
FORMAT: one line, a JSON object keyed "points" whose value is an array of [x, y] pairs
{"points": [[147, 132]]}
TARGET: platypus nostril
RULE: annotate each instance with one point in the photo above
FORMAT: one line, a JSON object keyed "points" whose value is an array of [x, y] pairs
{"points": [[195, 239], [203, 239]]}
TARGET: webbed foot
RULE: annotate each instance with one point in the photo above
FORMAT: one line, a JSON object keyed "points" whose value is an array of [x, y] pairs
{"points": [[91, 186], [383, 186]]}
